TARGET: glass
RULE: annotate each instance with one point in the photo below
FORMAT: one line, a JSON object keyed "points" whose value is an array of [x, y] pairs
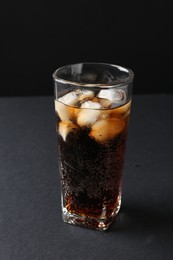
{"points": [[92, 105]]}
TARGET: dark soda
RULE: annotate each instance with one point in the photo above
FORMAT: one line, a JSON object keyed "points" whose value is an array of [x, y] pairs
{"points": [[92, 157]]}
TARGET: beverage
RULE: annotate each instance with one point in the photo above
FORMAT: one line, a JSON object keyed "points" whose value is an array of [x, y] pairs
{"points": [[92, 104], [91, 133]]}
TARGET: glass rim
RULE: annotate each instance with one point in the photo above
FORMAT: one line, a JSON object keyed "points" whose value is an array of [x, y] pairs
{"points": [[113, 84]]}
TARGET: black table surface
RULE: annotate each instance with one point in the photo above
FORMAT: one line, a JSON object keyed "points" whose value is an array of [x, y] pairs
{"points": [[31, 226]]}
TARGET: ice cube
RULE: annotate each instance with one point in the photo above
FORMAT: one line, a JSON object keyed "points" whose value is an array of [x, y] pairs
{"points": [[65, 128], [66, 113], [62, 111], [114, 95], [125, 108], [70, 98], [106, 129], [61, 105], [88, 114], [105, 103], [121, 111], [91, 105], [85, 95]]}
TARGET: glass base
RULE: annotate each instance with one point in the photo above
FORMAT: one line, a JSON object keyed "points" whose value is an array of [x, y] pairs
{"points": [[101, 223]]}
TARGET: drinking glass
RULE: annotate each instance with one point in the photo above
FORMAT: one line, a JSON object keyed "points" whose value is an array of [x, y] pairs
{"points": [[92, 105]]}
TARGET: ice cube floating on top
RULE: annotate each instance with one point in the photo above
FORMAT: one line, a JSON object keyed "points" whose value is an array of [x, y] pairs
{"points": [[87, 117], [94, 113], [114, 97], [73, 97]]}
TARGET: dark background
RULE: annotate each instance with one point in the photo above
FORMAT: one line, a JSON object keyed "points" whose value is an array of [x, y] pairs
{"points": [[39, 36]]}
